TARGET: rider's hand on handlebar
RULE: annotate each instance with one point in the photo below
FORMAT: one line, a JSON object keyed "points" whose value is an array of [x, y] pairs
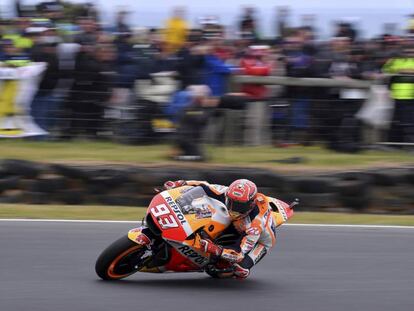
{"points": [[173, 184]]}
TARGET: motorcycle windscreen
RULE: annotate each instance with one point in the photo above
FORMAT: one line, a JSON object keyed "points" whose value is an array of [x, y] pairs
{"points": [[202, 211]]}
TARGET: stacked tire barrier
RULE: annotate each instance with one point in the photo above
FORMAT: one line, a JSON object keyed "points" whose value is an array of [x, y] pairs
{"points": [[386, 190]]}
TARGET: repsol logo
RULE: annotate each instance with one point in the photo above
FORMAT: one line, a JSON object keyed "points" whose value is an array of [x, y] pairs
{"points": [[192, 255], [176, 210]]}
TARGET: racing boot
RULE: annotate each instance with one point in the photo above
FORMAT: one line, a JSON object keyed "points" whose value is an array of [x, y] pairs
{"points": [[240, 272]]}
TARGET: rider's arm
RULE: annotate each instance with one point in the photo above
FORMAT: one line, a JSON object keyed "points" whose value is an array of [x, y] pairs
{"points": [[252, 236], [212, 190], [249, 236]]}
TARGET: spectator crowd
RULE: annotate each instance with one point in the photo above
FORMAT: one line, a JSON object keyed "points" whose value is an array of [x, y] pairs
{"points": [[141, 85]]}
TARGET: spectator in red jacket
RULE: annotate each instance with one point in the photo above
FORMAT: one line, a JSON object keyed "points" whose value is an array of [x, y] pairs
{"points": [[255, 64], [258, 120]]}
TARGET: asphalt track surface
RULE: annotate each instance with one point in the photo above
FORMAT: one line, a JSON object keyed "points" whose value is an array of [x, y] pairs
{"points": [[50, 266]]}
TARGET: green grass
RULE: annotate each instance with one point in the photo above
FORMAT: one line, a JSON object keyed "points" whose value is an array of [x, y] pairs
{"points": [[81, 151], [71, 212], [136, 214], [89, 151], [354, 219]]}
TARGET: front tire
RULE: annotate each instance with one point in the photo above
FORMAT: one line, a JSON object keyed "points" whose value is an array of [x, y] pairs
{"points": [[119, 260]]}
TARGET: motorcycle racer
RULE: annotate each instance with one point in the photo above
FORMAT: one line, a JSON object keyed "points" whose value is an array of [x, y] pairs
{"points": [[251, 215]]}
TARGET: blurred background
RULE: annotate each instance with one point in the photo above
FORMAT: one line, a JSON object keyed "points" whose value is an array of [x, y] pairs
{"points": [[332, 81]]}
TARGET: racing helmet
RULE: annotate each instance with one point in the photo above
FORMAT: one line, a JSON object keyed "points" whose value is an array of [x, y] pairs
{"points": [[240, 197]]}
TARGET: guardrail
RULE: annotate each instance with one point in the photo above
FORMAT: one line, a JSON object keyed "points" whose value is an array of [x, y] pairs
{"points": [[289, 81]]}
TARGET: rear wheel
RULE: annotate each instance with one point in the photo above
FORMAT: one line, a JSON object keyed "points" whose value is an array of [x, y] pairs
{"points": [[120, 259]]}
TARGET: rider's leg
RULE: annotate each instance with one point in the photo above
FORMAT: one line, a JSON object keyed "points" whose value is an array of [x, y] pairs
{"points": [[266, 241]]}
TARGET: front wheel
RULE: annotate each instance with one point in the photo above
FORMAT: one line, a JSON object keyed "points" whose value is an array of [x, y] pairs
{"points": [[120, 259]]}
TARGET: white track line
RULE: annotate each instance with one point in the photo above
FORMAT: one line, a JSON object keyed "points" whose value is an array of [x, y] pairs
{"points": [[71, 220], [138, 222]]}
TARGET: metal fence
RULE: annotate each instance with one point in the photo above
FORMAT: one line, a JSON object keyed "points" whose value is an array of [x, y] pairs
{"points": [[344, 113], [314, 112]]}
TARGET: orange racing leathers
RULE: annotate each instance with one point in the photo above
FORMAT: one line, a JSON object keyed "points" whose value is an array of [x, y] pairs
{"points": [[257, 229]]}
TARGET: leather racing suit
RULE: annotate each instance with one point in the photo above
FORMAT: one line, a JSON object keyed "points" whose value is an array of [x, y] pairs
{"points": [[256, 229]]}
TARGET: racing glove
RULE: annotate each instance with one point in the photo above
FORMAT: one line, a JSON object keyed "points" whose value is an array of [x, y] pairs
{"points": [[173, 184], [227, 254], [209, 247]]}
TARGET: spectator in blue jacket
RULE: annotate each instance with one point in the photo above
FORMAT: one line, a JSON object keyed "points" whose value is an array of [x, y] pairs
{"points": [[216, 73], [180, 101]]}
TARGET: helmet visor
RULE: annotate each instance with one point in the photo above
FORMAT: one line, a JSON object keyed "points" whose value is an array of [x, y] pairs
{"points": [[241, 208]]}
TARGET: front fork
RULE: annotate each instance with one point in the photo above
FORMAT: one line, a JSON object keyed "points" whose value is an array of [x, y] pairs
{"points": [[143, 236]]}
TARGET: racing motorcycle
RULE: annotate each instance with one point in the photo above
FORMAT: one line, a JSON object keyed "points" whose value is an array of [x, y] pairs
{"points": [[178, 218]]}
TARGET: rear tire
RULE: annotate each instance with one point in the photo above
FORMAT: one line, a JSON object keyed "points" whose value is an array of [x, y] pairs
{"points": [[119, 259]]}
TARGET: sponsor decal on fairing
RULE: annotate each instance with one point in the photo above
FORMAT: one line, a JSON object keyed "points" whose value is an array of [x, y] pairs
{"points": [[178, 213], [190, 253]]}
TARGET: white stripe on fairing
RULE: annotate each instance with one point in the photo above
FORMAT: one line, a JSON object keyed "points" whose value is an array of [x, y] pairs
{"points": [[185, 225], [139, 222]]}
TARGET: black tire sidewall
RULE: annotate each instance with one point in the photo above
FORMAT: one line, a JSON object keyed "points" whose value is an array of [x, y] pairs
{"points": [[110, 254]]}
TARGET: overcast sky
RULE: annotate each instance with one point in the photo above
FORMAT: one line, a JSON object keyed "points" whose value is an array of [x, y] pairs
{"points": [[371, 14]]}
